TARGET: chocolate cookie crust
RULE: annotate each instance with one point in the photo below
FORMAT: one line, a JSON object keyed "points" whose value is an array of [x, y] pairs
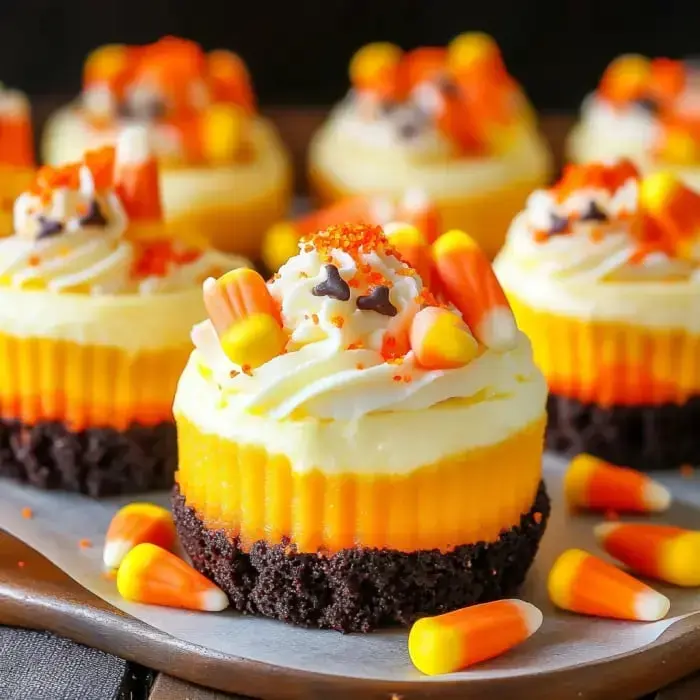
{"points": [[644, 437], [95, 461], [358, 590]]}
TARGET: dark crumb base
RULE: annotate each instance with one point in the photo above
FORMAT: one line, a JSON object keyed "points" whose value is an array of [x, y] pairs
{"points": [[644, 437], [358, 590], [95, 461]]}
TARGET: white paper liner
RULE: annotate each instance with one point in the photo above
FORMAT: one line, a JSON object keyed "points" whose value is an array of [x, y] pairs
{"points": [[60, 521]]}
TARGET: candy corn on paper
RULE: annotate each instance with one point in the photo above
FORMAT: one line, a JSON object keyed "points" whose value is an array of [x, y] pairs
{"points": [[61, 521]]}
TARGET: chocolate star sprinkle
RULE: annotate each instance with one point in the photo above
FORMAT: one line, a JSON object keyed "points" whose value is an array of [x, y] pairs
{"points": [[94, 215], [648, 104], [48, 228], [334, 286], [377, 300], [594, 213], [558, 224]]}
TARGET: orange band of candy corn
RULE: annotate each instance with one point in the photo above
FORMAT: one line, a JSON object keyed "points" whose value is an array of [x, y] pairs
{"points": [[465, 637], [663, 552]]}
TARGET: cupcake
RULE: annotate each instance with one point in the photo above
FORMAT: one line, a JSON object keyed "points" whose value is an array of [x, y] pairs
{"points": [[449, 121], [282, 240], [225, 172], [96, 304], [647, 111], [602, 275], [16, 152], [355, 449]]}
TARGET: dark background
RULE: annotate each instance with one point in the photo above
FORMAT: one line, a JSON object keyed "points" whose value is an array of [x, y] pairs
{"points": [[298, 51]]}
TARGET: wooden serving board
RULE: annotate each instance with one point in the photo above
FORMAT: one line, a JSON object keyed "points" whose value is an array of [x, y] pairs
{"points": [[38, 595]]}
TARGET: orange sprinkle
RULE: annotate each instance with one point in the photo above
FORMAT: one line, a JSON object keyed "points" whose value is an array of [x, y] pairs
{"points": [[540, 236], [34, 260], [397, 378], [27, 513], [354, 283], [247, 369], [537, 517], [21, 564], [356, 346], [407, 379], [233, 374], [406, 271], [611, 515], [109, 575], [359, 365], [687, 471], [85, 543], [314, 318], [338, 321], [393, 360], [597, 234]]}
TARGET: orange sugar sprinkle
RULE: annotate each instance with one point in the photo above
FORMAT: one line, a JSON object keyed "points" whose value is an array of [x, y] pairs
{"points": [[393, 360], [687, 471], [247, 369], [540, 236], [27, 513], [407, 379], [110, 575], [34, 260], [406, 271], [21, 564], [359, 365], [350, 238], [597, 234], [85, 543], [354, 283], [537, 517], [338, 321], [397, 378], [233, 374], [611, 515], [314, 319], [356, 346]]}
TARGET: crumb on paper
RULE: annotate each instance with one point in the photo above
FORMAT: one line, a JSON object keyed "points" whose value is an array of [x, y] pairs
{"points": [[687, 471], [85, 543], [27, 513]]}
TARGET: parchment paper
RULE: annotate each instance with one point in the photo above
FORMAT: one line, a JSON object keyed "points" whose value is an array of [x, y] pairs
{"points": [[61, 521]]}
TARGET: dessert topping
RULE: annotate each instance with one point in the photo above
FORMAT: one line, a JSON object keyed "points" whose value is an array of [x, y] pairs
{"points": [[377, 300], [334, 286]]}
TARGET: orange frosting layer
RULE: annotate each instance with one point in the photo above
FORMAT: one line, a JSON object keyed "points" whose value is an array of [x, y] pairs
{"points": [[611, 363], [85, 385], [258, 496]]}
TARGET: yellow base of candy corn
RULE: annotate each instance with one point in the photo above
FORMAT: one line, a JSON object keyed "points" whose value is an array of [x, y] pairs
{"points": [[254, 340]]}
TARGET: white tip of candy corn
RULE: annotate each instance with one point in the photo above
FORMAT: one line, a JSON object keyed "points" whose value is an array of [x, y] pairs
{"points": [[656, 496], [214, 600], [651, 606], [602, 530], [498, 330], [531, 615], [114, 553], [133, 146]]}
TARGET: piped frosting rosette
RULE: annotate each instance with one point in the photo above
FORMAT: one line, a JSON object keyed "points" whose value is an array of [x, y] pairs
{"points": [[644, 109], [96, 298], [368, 362], [602, 273]]}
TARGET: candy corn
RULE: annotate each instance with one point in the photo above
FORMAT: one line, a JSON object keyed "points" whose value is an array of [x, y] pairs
{"points": [[134, 524], [152, 575], [245, 317], [598, 485], [230, 80], [675, 207], [16, 144], [108, 66], [222, 132], [471, 285], [412, 246], [136, 176], [667, 553], [625, 79], [375, 68], [473, 50], [582, 583], [441, 340], [465, 637]]}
